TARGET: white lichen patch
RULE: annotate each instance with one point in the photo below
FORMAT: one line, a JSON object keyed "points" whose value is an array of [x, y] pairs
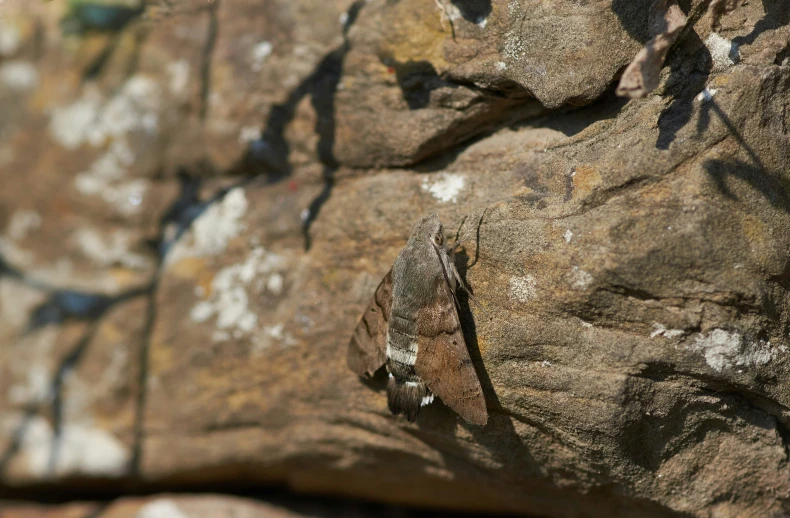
{"points": [[22, 223], [271, 336], [230, 299], [514, 47], [178, 74], [212, 230], [81, 450], [259, 53], [19, 75], [661, 330], [723, 52], [93, 120], [568, 236], [706, 94], [523, 289], [10, 38], [445, 187], [580, 279], [110, 249], [105, 178], [726, 349], [275, 284], [249, 134], [161, 508], [96, 121]]}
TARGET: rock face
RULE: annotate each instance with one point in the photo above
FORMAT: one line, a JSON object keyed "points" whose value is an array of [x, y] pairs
{"points": [[198, 205]]}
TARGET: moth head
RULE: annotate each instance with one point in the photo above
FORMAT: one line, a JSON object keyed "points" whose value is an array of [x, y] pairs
{"points": [[438, 236], [431, 229]]}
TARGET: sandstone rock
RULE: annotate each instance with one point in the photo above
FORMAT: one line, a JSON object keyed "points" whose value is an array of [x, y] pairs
{"points": [[160, 506], [68, 384], [633, 344], [630, 260], [418, 80]]}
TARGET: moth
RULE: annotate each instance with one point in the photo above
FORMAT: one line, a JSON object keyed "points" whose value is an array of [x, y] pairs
{"points": [[412, 326]]}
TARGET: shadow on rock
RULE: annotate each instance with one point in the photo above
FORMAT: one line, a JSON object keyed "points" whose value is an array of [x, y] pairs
{"points": [[689, 73], [473, 11], [774, 188], [416, 79], [271, 151]]}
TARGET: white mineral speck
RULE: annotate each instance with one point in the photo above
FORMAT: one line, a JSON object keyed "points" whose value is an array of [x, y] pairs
{"points": [[580, 279], [260, 52]]}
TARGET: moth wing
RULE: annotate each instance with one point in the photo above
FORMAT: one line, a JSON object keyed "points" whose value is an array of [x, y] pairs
{"points": [[367, 349], [443, 361]]}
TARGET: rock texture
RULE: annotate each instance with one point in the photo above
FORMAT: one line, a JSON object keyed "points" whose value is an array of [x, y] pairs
{"points": [[198, 205], [168, 506]]}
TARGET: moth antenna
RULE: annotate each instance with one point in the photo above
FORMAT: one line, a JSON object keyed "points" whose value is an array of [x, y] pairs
{"points": [[477, 238], [458, 233]]}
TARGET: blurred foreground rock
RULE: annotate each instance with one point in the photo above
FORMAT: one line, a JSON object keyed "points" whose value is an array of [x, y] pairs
{"points": [[173, 506], [163, 323]]}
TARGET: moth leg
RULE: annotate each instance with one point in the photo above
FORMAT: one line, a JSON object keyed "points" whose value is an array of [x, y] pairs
{"points": [[444, 16], [460, 283]]}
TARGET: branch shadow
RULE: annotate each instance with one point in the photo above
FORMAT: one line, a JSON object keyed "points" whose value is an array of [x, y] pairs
{"points": [[270, 152], [774, 187], [777, 14], [689, 71], [17, 437]]}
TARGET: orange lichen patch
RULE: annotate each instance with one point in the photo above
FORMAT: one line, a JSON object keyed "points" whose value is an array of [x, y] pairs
{"points": [[124, 276], [655, 193], [482, 345], [759, 237], [196, 269], [416, 34], [720, 81], [161, 357], [585, 179], [110, 333]]}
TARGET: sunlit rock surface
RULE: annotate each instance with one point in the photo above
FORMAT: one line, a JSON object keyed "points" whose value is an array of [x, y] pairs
{"points": [[197, 205]]}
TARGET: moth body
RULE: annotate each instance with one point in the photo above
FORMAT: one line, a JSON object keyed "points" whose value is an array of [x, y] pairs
{"points": [[412, 327], [418, 272]]}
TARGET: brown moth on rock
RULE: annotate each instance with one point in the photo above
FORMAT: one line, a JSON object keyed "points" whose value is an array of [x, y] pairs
{"points": [[412, 326]]}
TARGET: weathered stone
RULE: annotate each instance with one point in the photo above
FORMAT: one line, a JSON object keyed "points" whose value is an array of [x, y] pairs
{"points": [[632, 347], [630, 259], [78, 203], [420, 77], [160, 506], [68, 384]]}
